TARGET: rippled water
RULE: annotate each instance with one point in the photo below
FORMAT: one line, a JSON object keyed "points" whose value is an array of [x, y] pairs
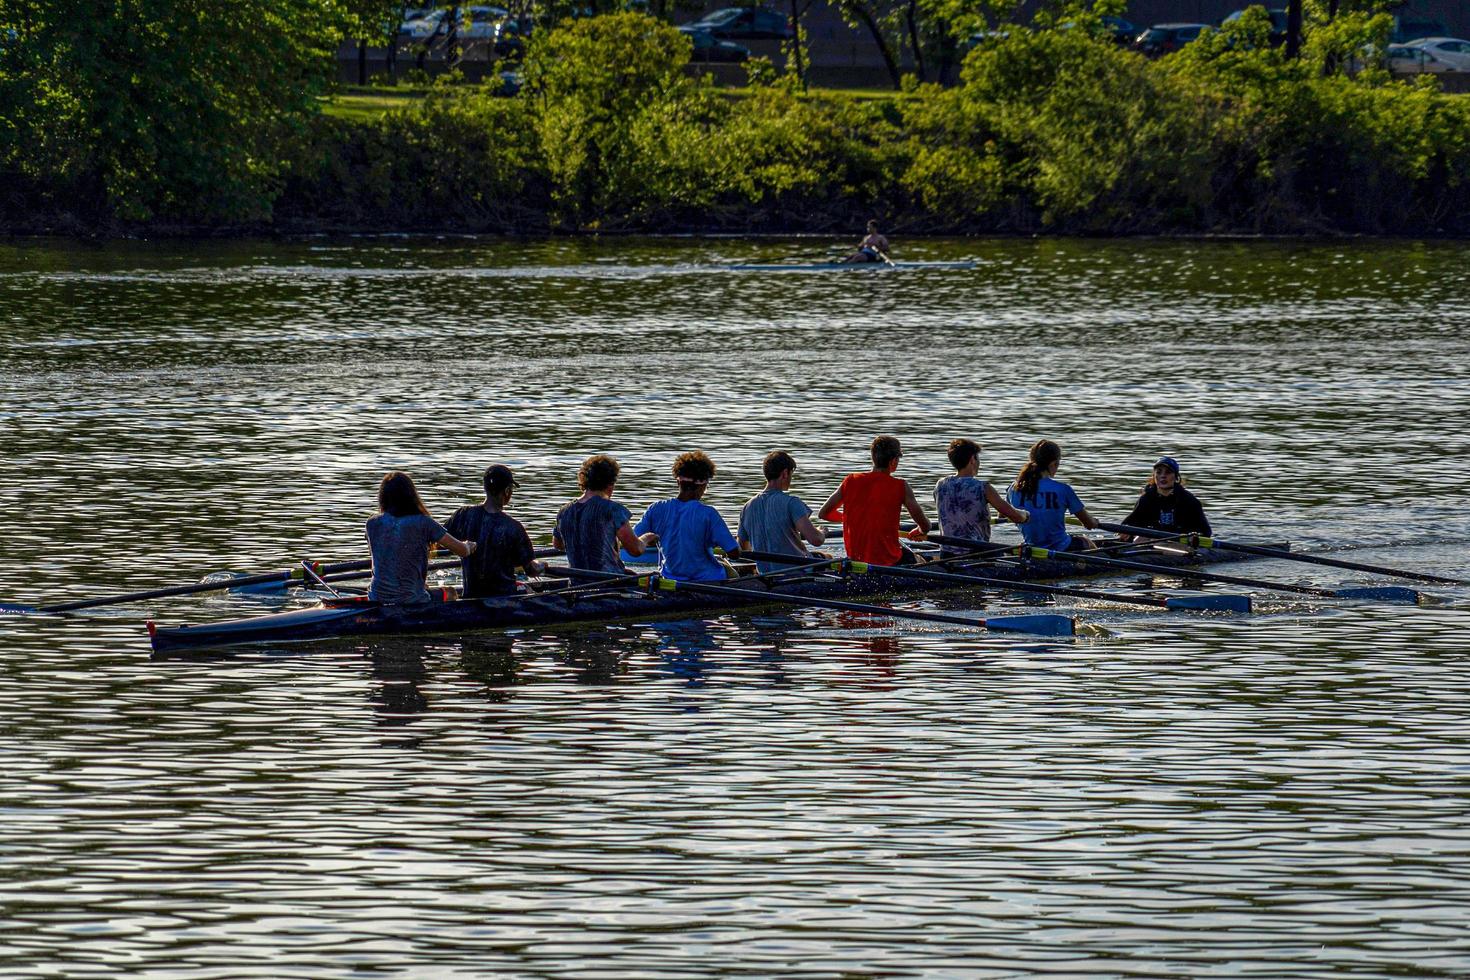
{"points": [[1280, 794]]}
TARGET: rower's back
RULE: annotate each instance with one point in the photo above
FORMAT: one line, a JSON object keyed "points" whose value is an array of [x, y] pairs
{"points": [[871, 503]]}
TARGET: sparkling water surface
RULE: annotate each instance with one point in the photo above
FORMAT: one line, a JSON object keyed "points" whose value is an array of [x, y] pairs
{"points": [[787, 792]]}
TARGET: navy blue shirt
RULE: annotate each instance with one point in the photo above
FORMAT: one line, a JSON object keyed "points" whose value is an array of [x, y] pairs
{"points": [[589, 532]]}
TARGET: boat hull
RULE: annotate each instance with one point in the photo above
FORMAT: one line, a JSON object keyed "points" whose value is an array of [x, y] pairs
{"points": [[552, 608]]}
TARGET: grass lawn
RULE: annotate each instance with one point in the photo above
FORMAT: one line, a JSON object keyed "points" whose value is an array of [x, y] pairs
{"points": [[363, 102]]}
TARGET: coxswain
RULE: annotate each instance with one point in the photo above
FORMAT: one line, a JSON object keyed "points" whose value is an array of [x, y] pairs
{"points": [[963, 500], [1166, 505], [686, 528], [869, 505], [873, 247], [1048, 501], [590, 528], [501, 542], [399, 539], [776, 520]]}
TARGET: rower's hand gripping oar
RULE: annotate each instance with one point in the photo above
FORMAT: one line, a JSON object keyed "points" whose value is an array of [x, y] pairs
{"points": [[1203, 541]]}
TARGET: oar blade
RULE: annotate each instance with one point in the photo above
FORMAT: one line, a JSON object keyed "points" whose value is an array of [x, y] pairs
{"points": [[15, 609], [1044, 624], [1211, 601], [1382, 593]]}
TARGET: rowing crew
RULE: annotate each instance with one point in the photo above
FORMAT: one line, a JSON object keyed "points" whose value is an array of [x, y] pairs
{"points": [[595, 530]]}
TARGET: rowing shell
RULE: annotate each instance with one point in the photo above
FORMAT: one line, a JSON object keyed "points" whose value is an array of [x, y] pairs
{"points": [[361, 617], [846, 266]]}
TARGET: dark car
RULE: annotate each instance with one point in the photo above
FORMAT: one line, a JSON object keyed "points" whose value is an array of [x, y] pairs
{"points": [[1278, 24], [1122, 31], [746, 23], [1162, 39], [510, 37], [707, 47]]}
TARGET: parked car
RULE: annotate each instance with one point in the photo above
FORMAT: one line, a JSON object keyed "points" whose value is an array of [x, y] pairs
{"points": [[475, 24], [1162, 39], [707, 47], [1405, 30], [1123, 31], [747, 24], [1451, 50], [510, 37], [1405, 59], [1278, 24]]}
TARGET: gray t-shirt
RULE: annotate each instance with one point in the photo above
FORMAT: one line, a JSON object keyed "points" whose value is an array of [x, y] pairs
{"points": [[589, 532], [963, 512], [400, 547], [768, 522]]}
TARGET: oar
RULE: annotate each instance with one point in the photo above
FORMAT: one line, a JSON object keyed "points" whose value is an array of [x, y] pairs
{"points": [[1201, 541], [293, 574], [1224, 601], [1385, 593], [337, 572], [1046, 625]]}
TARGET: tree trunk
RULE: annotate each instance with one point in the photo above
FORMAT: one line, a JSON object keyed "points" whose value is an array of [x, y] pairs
{"points": [[890, 62], [362, 62], [911, 15], [1293, 28], [796, 66]]}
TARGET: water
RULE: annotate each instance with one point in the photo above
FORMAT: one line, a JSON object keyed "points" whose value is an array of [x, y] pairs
{"points": [[794, 792]]}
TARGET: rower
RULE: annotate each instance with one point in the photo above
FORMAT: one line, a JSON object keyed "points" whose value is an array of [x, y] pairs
{"points": [[964, 500], [501, 542], [1049, 500], [685, 528], [399, 539], [1165, 505], [873, 247], [590, 528], [776, 520], [869, 504]]}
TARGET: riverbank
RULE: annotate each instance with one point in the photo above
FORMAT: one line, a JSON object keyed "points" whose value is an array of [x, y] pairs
{"points": [[1050, 132]]}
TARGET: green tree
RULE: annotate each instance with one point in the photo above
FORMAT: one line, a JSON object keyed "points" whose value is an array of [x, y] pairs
{"points": [[177, 109]]}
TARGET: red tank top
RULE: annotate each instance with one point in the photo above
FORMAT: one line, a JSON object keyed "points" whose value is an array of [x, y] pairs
{"points": [[870, 507]]}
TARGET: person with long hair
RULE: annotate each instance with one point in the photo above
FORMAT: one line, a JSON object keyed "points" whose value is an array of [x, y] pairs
{"points": [[399, 538], [964, 500], [590, 528], [1165, 505], [686, 528], [776, 520], [869, 505], [1048, 500], [501, 542]]}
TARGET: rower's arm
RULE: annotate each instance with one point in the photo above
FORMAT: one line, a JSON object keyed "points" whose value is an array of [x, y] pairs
{"points": [[631, 542], [462, 548], [1088, 521], [911, 503], [557, 542], [1013, 514], [831, 507], [809, 532]]}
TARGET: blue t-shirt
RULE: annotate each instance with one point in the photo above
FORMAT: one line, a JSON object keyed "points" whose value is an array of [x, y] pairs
{"points": [[687, 530], [400, 547], [1049, 507]]}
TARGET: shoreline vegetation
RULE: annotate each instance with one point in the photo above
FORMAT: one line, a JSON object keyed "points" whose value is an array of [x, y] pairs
{"points": [[1051, 129]]}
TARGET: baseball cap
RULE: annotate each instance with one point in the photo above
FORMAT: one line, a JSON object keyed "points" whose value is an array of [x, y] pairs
{"points": [[498, 477], [1169, 462]]}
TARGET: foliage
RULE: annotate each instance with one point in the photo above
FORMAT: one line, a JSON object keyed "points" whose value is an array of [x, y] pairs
{"points": [[169, 109]]}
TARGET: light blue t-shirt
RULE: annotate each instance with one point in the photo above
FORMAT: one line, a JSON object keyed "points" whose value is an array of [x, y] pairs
{"points": [[1049, 507], [687, 530]]}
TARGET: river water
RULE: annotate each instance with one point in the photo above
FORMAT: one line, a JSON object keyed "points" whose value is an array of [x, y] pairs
{"points": [[1285, 793]]}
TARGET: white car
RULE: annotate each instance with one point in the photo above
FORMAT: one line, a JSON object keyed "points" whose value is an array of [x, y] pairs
{"points": [[1405, 59], [1453, 51]]}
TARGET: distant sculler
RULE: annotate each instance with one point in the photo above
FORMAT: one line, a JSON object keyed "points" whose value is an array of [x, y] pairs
{"points": [[873, 248]]}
